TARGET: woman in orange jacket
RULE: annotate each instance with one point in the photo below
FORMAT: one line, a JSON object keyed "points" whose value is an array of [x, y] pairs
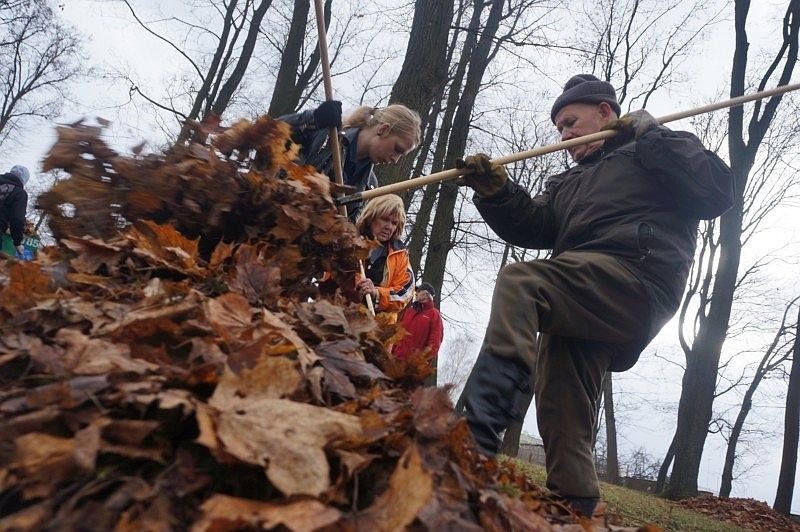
{"points": [[389, 280]]}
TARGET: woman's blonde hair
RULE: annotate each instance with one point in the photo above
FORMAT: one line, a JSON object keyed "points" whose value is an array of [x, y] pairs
{"points": [[401, 120], [388, 205]]}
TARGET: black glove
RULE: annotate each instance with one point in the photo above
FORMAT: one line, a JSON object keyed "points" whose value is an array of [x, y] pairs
{"points": [[329, 114], [486, 178], [631, 127]]}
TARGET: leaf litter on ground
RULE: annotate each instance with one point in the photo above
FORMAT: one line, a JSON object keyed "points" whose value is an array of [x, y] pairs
{"points": [[173, 364]]}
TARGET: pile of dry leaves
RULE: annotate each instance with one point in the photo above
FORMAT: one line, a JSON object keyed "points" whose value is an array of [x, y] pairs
{"points": [[171, 364], [746, 513]]}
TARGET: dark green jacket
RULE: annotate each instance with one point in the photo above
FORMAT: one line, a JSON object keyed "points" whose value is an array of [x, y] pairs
{"points": [[641, 203]]}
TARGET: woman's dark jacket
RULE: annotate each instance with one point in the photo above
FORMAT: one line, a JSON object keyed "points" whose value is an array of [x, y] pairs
{"points": [[640, 202], [316, 151]]}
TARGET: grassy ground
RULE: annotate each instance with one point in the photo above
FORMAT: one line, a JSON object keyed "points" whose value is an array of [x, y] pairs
{"points": [[637, 508]]}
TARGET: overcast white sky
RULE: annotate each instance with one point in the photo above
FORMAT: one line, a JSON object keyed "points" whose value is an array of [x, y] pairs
{"points": [[647, 395]]}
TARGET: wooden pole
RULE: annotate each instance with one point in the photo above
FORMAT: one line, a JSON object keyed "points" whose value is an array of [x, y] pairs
{"points": [[535, 152], [322, 38]]}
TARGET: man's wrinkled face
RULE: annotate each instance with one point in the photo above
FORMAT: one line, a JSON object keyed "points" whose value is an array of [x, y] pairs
{"points": [[579, 119]]}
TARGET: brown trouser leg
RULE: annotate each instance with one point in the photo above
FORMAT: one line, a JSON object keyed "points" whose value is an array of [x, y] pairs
{"points": [[586, 305]]}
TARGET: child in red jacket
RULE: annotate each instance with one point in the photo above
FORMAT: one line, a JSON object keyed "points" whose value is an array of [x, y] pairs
{"points": [[424, 325]]}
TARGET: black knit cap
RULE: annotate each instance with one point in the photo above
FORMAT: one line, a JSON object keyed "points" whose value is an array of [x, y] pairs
{"points": [[585, 88], [428, 287]]}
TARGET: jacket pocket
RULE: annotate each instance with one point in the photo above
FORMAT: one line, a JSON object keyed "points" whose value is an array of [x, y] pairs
{"points": [[644, 239]]}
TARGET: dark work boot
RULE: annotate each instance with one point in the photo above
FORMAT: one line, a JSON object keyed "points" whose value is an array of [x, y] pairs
{"points": [[495, 395], [582, 505]]}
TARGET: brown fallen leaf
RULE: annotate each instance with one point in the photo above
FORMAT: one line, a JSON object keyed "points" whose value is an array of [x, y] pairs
{"points": [[410, 489], [94, 356], [223, 512], [285, 437], [40, 462], [26, 284]]}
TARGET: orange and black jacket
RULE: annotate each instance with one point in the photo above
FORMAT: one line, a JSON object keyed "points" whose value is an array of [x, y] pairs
{"points": [[390, 269]]}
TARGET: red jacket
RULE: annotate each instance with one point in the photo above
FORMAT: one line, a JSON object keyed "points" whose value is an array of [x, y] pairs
{"points": [[425, 329]]}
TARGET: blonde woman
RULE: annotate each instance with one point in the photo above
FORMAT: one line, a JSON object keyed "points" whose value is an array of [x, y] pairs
{"points": [[389, 280], [367, 136]]}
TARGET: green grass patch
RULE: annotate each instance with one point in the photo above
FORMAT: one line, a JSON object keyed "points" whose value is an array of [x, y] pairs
{"points": [[636, 508]]}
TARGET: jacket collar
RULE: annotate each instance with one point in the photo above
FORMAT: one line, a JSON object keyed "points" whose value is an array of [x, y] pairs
{"points": [[392, 247], [350, 134], [422, 305], [12, 179], [593, 157]]}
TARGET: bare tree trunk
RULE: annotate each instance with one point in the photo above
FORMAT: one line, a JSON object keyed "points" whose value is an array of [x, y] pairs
{"points": [[661, 480], [440, 241], [421, 229], [289, 86], [774, 357], [699, 379], [791, 432], [726, 483], [612, 452], [213, 69], [424, 72], [232, 83], [287, 91], [510, 445]]}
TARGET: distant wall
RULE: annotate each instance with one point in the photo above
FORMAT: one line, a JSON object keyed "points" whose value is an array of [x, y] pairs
{"points": [[531, 452], [639, 484]]}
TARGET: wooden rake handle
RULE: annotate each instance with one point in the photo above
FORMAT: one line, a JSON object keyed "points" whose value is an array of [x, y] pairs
{"points": [[536, 152]]}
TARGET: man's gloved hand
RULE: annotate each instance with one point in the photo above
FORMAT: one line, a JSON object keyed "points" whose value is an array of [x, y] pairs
{"points": [[631, 127], [328, 114], [486, 178]]}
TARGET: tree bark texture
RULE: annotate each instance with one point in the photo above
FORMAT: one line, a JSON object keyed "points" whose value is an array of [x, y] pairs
{"points": [[702, 359], [440, 242], [510, 445], [424, 73], [420, 231], [287, 91]]}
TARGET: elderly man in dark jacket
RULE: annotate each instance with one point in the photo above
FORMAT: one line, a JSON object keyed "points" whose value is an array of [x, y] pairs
{"points": [[622, 225], [14, 204]]}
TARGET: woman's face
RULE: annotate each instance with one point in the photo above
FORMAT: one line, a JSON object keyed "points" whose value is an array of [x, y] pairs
{"points": [[383, 227], [386, 147]]}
